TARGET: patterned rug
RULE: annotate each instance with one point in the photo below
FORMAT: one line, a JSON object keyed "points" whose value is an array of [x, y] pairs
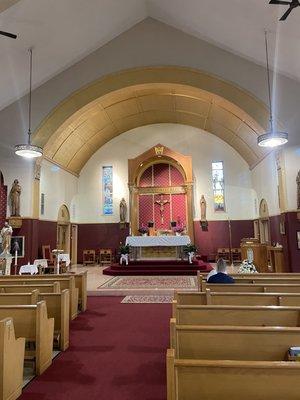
{"points": [[151, 282], [147, 299]]}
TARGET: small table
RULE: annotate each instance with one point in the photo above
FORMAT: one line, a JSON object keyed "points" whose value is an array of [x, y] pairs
{"points": [[28, 269], [41, 264]]}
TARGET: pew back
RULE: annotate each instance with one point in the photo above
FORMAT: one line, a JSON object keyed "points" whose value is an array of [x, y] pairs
{"points": [[19, 298], [238, 315], [254, 287], [234, 380], [45, 288], [233, 342]]}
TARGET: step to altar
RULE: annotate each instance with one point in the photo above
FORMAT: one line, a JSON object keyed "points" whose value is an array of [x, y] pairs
{"points": [[158, 267]]}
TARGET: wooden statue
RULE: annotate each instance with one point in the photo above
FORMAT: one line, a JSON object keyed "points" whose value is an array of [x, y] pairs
{"points": [[203, 220], [14, 196], [298, 190], [123, 211]]}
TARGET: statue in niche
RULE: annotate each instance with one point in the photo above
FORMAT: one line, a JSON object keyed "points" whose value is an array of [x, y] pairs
{"points": [[298, 190], [14, 196], [123, 211], [6, 233], [203, 220]]}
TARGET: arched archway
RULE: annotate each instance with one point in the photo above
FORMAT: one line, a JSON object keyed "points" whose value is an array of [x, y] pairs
{"points": [[161, 189], [63, 229], [119, 102]]}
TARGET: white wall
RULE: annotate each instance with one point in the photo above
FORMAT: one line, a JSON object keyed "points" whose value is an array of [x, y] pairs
{"points": [[292, 166], [265, 184], [60, 187], [202, 146]]}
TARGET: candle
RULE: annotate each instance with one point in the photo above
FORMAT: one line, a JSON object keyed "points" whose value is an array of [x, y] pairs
{"points": [[16, 257]]}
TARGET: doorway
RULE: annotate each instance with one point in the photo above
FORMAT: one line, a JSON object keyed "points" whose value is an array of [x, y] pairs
{"points": [[63, 229]]}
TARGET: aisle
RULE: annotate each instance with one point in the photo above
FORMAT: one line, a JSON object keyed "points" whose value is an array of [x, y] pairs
{"points": [[117, 352]]}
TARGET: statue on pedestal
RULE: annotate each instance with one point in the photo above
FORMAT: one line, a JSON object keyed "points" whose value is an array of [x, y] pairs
{"points": [[203, 220], [14, 196], [6, 233]]}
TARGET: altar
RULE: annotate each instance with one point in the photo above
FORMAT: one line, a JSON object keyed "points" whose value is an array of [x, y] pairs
{"points": [[157, 247]]}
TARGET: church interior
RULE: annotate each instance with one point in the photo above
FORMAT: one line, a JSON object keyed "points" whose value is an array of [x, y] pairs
{"points": [[149, 156]]}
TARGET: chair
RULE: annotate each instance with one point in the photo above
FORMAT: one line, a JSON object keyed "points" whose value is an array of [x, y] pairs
{"points": [[89, 257], [105, 257], [47, 254]]}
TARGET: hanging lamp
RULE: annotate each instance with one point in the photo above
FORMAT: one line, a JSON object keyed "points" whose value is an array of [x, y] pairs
{"points": [[272, 138], [29, 150]]}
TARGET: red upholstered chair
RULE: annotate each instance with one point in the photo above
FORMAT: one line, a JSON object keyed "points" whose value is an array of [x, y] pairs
{"points": [[47, 254]]}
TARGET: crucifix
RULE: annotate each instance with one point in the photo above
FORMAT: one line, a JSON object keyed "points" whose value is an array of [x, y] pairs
{"points": [[161, 202]]}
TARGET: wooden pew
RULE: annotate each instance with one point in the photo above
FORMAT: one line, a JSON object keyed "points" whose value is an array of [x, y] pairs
{"points": [[238, 315], [253, 287], [57, 308], [32, 323], [11, 361], [65, 282], [233, 342], [80, 283], [45, 288], [254, 278], [235, 298], [230, 379], [10, 299]]}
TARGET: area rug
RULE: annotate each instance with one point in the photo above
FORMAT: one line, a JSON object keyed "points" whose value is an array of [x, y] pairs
{"points": [[147, 299], [150, 282]]}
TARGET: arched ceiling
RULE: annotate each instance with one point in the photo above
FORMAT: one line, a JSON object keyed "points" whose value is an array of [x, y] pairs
{"points": [[81, 125]]}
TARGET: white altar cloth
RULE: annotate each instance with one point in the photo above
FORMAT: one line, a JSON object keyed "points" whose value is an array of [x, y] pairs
{"points": [[64, 257], [28, 269], [152, 241]]}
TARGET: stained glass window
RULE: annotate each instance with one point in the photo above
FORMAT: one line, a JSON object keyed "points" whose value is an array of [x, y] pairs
{"points": [[107, 189], [218, 185]]}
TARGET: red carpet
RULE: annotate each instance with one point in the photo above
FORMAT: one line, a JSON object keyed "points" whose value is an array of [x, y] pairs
{"points": [[117, 352], [158, 268]]}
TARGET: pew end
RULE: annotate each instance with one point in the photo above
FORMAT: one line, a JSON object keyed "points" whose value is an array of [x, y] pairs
{"points": [[11, 361]]}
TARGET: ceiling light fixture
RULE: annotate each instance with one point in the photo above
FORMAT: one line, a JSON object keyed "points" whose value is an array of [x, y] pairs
{"points": [[273, 138], [29, 150]]}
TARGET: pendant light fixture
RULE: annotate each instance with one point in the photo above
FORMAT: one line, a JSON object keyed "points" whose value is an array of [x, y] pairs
{"points": [[29, 150], [273, 138]]}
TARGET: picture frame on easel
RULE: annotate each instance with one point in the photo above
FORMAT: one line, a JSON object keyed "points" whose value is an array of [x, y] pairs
{"points": [[18, 243]]}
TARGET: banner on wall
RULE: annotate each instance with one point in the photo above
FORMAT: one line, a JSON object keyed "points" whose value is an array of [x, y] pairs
{"points": [[107, 190]]}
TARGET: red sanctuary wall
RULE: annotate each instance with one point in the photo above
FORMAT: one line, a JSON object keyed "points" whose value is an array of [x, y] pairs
{"points": [[96, 236], [37, 233], [218, 235], [292, 226]]}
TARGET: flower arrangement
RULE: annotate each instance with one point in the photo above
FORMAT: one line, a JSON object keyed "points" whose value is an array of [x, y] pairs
{"points": [[124, 249], [190, 248], [143, 229], [178, 229], [247, 267]]}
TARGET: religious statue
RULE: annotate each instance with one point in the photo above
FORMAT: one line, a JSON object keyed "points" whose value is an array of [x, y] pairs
{"points": [[161, 202], [298, 190], [123, 211], [6, 233], [203, 220], [14, 196]]}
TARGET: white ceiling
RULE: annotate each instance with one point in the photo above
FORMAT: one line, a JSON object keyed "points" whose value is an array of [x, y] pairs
{"points": [[64, 31]]}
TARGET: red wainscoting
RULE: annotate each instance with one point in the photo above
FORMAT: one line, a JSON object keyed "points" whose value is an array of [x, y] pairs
{"points": [[96, 236], [292, 226]]}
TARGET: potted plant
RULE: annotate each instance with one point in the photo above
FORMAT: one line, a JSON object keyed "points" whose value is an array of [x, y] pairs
{"points": [[190, 249], [247, 267], [124, 251]]}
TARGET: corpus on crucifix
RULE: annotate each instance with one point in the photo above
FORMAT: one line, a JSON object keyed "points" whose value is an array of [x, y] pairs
{"points": [[161, 202]]}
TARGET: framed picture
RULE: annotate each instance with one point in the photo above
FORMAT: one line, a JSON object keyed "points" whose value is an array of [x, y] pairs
{"points": [[282, 226], [298, 239], [17, 243]]}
